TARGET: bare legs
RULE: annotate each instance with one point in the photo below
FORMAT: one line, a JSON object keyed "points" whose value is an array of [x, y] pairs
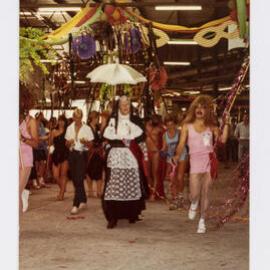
{"points": [[97, 190], [178, 186], [153, 169], [60, 174], [24, 174], [41, 169], [199, 190], [90, 186], [178, 180], [194, 187], [206, 183]]}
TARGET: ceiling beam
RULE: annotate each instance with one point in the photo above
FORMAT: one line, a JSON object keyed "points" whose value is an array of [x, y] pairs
{"points": [[208, 81], [133, 4], [195, 71]]}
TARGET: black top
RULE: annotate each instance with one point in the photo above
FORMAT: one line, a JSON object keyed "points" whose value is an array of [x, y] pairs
{"points": [[60, 153], [97, 138]]}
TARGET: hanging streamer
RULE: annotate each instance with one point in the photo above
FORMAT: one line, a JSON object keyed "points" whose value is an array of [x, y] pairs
{"points": [[177, 28], [233, 205], [219, 32]]}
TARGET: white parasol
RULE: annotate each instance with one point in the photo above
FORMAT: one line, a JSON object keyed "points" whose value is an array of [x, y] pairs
{"points": [[114, 74]]}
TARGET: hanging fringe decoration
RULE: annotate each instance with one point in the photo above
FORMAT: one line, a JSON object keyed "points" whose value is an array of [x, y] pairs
{"points": [[223, 213], [232, 205]]}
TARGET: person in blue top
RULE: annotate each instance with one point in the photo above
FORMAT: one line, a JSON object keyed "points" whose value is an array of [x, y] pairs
{"points": [[176, 172]]}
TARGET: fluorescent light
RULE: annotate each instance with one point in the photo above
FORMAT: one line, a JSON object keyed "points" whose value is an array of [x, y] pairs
{"points": [[77, 82], [32, 14], [184, 109], [167, 63], [182, 42], [224, 88], [168, 95], [50, 60], [59, 9], [173, 8], [26, 13], [192, 92], [50, 12]]}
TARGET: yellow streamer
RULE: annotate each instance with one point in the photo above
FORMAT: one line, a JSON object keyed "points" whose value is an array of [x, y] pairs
{"points": [[162, 39], [219, 33], [66, 28], [178, 28]]}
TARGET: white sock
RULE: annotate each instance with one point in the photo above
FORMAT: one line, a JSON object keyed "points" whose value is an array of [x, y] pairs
{"points": [[201, 221], [41, 180], [194, 205], [25, 197], [35, 182]]}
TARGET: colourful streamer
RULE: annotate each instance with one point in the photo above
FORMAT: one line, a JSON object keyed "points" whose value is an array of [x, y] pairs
{"points": [[178, 28]]}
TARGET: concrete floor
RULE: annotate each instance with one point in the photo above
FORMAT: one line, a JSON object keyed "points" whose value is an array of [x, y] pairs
{"points": [[164, 240]]}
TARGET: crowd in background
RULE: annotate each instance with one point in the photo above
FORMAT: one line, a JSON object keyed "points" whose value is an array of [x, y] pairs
{"points": [[55, 162]]}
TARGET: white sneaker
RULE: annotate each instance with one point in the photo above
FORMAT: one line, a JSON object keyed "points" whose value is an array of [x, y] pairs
{"points": [[192, 210], [191, 214], [74, 210], [25, 197], [201, 226], [82, 206]]}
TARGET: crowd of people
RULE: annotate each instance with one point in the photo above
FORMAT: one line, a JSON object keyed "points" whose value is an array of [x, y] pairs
{"points": [[125, 159]]}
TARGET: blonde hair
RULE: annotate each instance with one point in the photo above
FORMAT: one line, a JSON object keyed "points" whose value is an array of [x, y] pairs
{"points": [[78, 113], [205, 101]]}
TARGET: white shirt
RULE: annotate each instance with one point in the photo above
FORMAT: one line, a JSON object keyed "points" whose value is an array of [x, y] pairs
{"points": [[125, 130], [242, 131], [85, 132]]}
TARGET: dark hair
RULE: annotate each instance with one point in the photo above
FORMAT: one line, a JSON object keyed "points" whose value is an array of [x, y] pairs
{"points": [[155, 119], [92, 115], [64, 119], [170, 118]]}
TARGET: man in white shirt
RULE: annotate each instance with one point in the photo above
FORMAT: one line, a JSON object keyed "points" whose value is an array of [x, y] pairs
{"points": [[78, 139], [242, 134]]}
